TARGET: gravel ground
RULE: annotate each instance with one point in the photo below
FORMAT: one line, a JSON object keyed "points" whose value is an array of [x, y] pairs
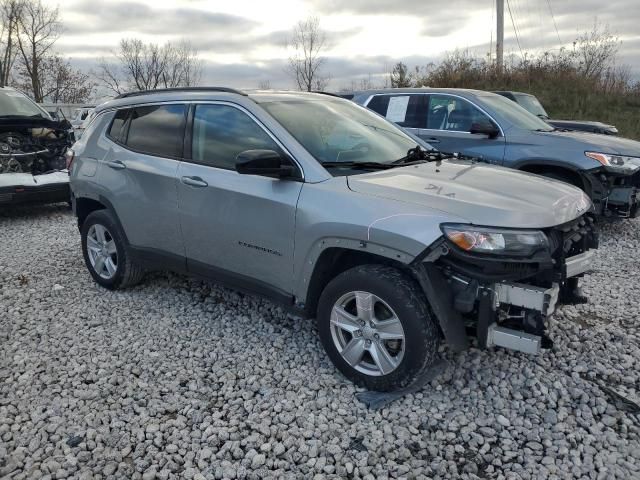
{"points": [[181, 379]]}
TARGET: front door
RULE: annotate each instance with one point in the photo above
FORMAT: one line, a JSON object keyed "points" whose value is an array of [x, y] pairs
{"points": [[237, 227], [449, 121]]}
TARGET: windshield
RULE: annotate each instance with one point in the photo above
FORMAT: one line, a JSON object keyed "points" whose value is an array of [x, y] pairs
{"points": [[515, 114], [340, 131], [531, 104], [14, 103]]}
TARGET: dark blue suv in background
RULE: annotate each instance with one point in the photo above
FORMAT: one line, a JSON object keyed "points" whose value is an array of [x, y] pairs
{"points": [[496, 130]]}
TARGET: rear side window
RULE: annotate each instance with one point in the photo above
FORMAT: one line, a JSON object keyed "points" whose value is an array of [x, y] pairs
{"points": [[221, 132], [116, 129], [406, 110], [157, 130]]}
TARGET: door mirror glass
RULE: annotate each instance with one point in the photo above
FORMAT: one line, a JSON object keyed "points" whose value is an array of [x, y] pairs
{"points": [[485, 127], [266, 163]]}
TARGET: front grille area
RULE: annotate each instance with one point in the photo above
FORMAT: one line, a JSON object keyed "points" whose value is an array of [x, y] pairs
{"points": [[573, 238]]}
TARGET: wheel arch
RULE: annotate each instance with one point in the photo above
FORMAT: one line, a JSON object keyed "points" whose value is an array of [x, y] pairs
{"points": [[333, 260], [84, 206], [541, 167]]}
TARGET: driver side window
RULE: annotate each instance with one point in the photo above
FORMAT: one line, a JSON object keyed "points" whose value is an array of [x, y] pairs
{"points": [[221, 132], [452, 114]]}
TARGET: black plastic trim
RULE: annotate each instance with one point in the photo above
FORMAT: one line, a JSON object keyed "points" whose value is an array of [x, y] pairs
{"points": [[181, 89], [49, 193]]}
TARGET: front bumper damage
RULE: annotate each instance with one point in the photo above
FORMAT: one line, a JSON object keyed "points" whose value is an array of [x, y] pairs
{"points": [[507, 303], [20, 188], [614, 194], [532, 299]]}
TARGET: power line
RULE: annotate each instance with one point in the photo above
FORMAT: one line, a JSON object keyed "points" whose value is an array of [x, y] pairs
{"points": [[515, 29], [553, 17]]}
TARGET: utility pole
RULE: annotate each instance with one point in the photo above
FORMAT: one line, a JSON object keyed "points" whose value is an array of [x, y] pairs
{"points": [[500, 34]]}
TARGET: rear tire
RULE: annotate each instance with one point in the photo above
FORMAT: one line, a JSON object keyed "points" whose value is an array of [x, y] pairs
{"points": [[376, 327], [106, 253]]}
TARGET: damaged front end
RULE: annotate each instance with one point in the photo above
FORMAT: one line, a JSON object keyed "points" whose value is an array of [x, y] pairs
{"points": [[32, 160], [36, 146], [505, 298], [614, 187]]}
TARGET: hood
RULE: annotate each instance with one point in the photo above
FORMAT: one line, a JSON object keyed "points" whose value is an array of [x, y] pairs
{"points": [[581, 122], [18, 121], [480, 193], [587, 126], [586, 141]]}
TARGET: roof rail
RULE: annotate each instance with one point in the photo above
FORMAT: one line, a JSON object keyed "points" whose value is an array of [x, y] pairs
{"points": [[181, 89], [321, 92]]}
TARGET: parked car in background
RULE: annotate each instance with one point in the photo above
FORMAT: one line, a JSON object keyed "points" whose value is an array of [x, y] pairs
{"points": [[532, 104], [495, 130], [82, 118], [334, 212], [32, 152]]}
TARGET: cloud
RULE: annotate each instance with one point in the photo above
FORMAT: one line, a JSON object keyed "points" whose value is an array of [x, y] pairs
{"points": [[102, 17]]}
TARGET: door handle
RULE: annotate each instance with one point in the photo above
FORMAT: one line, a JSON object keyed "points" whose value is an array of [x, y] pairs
{"points": [[432, 140], [116, 165], [194, 182]]}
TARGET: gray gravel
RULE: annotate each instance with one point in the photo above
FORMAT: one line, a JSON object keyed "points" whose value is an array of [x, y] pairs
{"points": [[180, 379]]}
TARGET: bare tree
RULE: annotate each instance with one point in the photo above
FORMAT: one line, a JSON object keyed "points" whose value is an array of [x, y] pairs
{"points": [[61, 83], [10, 11], [596, 51], [146, 66], [38, 29], [264, 85], [308, 42], [400, 76]]}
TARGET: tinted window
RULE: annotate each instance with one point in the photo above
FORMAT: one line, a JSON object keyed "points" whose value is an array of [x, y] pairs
{"points": [[405, 110], [221, 132], [115, 130], [452, 113], [157, 130]]}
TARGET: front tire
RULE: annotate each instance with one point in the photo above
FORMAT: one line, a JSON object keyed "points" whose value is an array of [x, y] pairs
{"points": [[106, 253], [376, 327]]}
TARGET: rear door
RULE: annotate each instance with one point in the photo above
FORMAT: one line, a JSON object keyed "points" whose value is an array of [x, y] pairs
{"points": [[139, 172], [406, 110], [448, 123], [239, 228]]}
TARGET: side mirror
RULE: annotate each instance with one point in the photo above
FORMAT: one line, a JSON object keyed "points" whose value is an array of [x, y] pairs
{"points": [[266, 163], [485, 128]]}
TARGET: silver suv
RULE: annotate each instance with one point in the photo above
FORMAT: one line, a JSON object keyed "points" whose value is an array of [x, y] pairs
{"points": [[336, 213]]}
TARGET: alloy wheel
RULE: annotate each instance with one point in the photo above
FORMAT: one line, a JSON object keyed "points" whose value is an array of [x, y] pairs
{"points": [[102, 251], [367, 333]]}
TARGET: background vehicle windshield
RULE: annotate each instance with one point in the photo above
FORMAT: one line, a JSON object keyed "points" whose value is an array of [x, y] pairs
{"points": [[16, 104], [340, 131], [515, 114], [531, 104]]}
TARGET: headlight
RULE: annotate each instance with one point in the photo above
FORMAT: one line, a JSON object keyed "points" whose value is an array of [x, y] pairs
{"points": [[494, 240], [618, 162]]}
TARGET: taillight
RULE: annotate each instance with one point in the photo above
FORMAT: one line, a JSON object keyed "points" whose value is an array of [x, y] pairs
{"points": [[69, 156]]}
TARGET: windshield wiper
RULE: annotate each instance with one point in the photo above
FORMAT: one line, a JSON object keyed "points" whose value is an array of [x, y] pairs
{"points": [[419, 155], [363, 165]]}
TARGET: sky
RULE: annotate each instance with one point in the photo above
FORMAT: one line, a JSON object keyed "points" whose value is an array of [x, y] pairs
{"points": [[243, 42]]}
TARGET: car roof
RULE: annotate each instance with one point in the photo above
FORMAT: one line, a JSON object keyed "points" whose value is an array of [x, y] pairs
{"points": [[210, 93], [458, 91]]}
